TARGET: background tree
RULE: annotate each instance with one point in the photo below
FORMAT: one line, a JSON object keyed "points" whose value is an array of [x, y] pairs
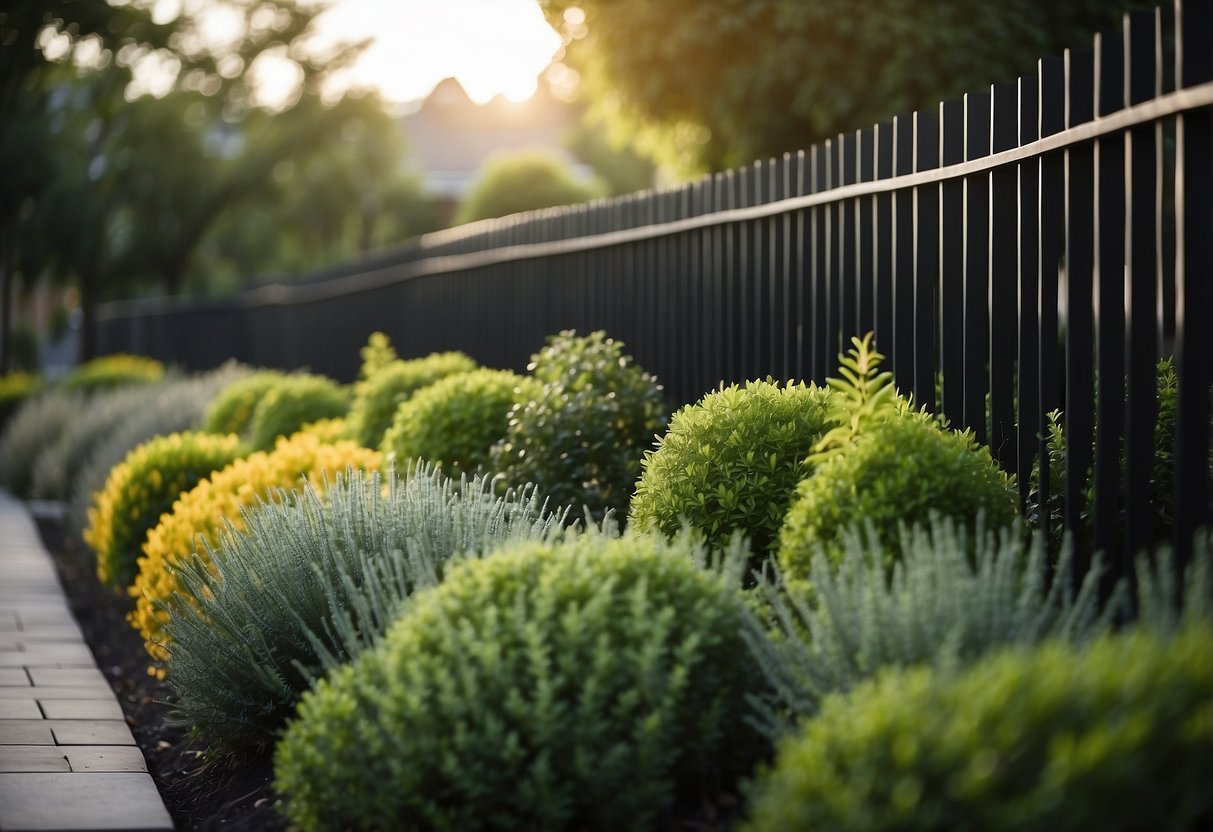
{"points": [[118, 191], [524, 181], [705, 86]]}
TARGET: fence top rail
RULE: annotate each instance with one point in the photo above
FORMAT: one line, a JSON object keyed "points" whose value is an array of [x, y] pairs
{"points": [[1170, 104]]}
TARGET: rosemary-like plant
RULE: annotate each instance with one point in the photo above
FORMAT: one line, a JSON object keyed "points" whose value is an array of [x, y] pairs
{"points": [[310, 583], [947, 601]]}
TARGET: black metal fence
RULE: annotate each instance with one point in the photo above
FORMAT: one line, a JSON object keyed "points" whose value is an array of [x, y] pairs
{"points": [[1035, 246]]}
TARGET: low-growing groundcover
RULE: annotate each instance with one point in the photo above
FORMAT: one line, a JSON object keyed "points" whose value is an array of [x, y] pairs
{"points": [[592, 685]]}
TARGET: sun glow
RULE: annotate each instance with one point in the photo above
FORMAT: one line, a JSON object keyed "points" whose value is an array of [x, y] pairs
{"points": [[493, 47]]}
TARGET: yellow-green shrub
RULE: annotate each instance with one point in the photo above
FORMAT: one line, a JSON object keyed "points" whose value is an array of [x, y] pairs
{"points": [[454, 422], [200, 513], [296, 401], [112, 371], [142, 488], [232, 410], [387, 386]]}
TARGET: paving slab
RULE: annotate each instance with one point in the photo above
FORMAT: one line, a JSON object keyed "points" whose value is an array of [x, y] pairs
{"points": [[46, 692], [80, 708], [29, 758], [68, 760], [81, 800], [14, 677], [26, 708]]}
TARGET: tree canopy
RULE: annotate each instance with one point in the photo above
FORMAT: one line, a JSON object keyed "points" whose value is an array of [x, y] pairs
{"points": [[113, 189], [704, 86]]}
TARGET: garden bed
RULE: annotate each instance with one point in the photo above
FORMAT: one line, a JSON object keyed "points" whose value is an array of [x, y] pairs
{"points": [[201, 792]]}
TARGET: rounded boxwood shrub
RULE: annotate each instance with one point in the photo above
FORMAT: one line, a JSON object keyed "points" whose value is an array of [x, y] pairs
{"points": [[453, 423], [113, 371], [217, 501], [310, 583], [292, 403], [901, 471], [390, 385], [232, 410], [732, 462], [1114, 736], [142, 488], [592, 685], [581, 437]]}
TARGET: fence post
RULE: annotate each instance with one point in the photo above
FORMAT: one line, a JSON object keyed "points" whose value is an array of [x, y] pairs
{"points": [[1004, 135], [926, 258]]}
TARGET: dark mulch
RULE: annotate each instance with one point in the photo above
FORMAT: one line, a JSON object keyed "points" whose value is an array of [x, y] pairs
{"points": [[201, 791]]}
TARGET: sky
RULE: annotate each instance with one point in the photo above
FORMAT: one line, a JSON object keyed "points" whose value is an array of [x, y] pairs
{"points": [[492, 46]]}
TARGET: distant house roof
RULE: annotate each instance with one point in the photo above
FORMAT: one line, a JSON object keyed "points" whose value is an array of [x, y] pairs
{"points": [[450, 136]]}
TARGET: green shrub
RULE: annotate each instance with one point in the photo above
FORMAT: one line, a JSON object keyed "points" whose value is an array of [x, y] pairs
{"points": [[946, 602], [888, 466], [731, 462], [58, 463], [232, 410], [900, 472], [142, 488], [261, 625], [582, 437], [177, 405], [1117, 735], [587, 686], [387, 387], [292, 403], [455, 422], [36, 425], [15, 390], [113, 371]]}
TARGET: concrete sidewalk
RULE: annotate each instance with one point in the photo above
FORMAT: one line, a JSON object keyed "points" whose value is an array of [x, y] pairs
{"points": [[67, 757]]}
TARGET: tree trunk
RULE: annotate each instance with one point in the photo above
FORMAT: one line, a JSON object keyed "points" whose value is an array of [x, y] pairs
{"points": [[88, 310]]}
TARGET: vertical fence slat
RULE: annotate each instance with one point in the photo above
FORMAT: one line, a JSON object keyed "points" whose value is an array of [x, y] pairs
{"points": [[836, 220], [865, 254], [977, 265], [1109, 300], [1027, 410], [1142, 254], [823, 356], [926, 258], [849, 276], [952, 263], [884, 236], [1004, 135], [1193, 294], [1079, 262], [782, 296], [1051, 210], [900, 347], [801, 274]]}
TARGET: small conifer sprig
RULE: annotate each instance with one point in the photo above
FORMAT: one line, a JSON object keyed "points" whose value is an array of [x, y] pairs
{"points": [[863, 395]]}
